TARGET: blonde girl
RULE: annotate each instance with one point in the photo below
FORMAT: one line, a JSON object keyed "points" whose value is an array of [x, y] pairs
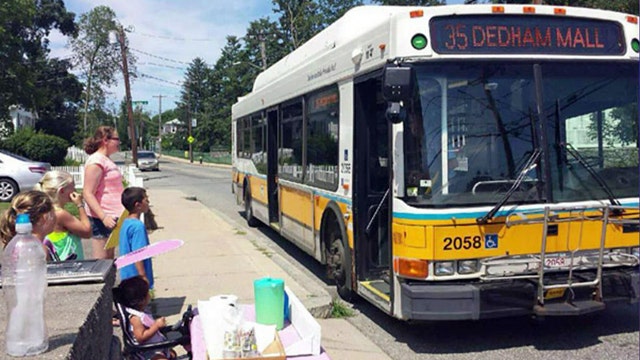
{"points": [[40, 209], [68, 230], [102, 188]]}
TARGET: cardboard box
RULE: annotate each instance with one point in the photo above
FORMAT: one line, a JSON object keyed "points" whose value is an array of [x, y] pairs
{"points": [[274, 351]]}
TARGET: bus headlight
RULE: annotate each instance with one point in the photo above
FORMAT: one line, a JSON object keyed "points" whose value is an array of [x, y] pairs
{"points": [[444, 268], [467, 266], [635, 251]]}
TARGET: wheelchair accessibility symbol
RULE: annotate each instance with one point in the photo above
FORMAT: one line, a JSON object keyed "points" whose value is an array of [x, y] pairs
{"points": [[491, 241]]}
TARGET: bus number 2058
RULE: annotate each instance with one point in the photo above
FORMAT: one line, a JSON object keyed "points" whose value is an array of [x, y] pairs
{"points": [[459, 243]]}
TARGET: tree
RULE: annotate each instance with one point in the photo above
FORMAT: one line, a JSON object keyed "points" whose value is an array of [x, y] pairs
{"points": [[60, 92], [195, 89], [97, 58], [299, 21], [332, 10], [24, 27]]}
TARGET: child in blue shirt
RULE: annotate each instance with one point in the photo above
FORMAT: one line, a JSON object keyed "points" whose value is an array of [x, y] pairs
{"points": [[133, 234]]}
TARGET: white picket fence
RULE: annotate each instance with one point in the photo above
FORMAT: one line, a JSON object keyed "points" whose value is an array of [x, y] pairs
{"points": [[128, 173], [76, 154]]}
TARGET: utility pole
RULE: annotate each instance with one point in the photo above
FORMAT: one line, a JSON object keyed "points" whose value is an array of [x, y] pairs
{"points": [[159, 123], [189, 123], [127, 87]]}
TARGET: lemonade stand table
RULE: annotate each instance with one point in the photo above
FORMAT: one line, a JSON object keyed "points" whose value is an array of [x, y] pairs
{"points": [[288, 335]]}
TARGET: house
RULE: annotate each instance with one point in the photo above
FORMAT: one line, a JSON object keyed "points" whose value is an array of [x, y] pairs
{"points": [[22, 118], [171, 127]]}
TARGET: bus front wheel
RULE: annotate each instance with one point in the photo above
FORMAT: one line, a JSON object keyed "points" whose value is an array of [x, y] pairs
{"points": [[339, 260]]}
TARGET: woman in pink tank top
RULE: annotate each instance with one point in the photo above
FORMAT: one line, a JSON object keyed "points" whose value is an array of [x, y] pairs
{"points": [[102, 188]]}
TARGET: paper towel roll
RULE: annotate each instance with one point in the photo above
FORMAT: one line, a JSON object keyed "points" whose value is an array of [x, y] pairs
{"points": [[218, 314]]}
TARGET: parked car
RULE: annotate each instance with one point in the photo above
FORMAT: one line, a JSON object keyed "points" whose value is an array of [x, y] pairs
{"points": [[18, 173], [147, 160]]}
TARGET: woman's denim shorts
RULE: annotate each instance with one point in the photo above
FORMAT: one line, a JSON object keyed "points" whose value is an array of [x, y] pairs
{"points": [[98, 230]]}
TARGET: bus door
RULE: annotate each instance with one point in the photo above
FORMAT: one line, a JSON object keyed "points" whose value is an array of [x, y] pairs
{"points": [[272, 166], [372, 198]]}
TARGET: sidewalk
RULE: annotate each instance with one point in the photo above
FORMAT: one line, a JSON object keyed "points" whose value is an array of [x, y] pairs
{"points": [[218, 258]]}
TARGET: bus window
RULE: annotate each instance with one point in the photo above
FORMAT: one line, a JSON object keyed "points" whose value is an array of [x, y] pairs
{"points": [[322, 139], [259, 155], [290, 151]]}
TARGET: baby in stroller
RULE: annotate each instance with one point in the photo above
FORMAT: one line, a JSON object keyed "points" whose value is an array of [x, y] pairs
{"points": [[146, 337]]}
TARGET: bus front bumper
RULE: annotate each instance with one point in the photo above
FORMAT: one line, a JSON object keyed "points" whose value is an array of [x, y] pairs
{"points": [[503, 298]]}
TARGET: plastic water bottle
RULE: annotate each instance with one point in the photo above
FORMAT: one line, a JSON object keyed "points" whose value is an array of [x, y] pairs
{"points": [[24, 270]]}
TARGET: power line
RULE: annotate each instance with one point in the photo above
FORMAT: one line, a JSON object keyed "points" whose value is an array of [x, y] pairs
{"points": [[161, 65], [159, 57], [142, 75], [172, 38]]}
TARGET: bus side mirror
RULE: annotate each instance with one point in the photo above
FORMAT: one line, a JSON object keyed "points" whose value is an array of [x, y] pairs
{"points": [[397, 89], [397, 84]]}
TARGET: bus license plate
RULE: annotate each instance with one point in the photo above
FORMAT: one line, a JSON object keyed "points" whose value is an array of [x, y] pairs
{"points": [[556, 261]]}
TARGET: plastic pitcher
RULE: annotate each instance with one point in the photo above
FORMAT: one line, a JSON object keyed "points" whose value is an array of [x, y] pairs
{"points": [[269, 295]]}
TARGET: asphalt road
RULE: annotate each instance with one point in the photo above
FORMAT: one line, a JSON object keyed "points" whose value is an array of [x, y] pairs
{"points": [[611, 334]]}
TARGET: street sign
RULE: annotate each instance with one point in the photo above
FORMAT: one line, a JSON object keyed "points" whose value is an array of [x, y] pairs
{"points": [[191, 139], [141, 102]]}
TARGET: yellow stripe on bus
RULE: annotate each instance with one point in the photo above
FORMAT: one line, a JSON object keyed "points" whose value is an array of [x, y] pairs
{"points": [[478, 241]]}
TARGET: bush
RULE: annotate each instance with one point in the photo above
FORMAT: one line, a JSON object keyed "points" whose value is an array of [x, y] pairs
{"points": [[38, 146]]}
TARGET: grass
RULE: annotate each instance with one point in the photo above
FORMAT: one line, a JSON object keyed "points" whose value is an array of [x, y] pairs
{"points": [[207, 157], [340, 310]]}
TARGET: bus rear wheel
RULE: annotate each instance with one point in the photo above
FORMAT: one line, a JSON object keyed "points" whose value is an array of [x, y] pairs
{"points": [[248, 210]]}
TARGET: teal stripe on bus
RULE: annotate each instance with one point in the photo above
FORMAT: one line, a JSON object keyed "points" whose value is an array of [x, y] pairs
{"points": [[476, 214]]}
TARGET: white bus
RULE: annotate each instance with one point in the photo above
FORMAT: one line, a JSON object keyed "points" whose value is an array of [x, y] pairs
{"points": [[454, 162]]}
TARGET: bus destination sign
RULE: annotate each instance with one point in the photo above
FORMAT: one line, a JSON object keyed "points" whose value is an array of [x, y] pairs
{"points": [[525, 34]]}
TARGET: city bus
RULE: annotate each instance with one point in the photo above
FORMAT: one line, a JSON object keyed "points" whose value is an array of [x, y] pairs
{"points": [[454, 162]]}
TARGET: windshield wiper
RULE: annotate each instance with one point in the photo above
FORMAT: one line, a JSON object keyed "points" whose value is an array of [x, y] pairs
{"points": [[576, 155], [531, 164]]}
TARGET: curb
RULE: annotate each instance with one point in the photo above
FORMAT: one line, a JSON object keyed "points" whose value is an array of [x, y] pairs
{"points": [[186, 161]]}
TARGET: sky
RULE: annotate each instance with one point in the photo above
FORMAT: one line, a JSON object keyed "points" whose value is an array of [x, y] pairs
{"points": [[166, 36]]}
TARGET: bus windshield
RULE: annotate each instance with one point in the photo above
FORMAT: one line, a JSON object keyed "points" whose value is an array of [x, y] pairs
{"points": [[473, 128]]}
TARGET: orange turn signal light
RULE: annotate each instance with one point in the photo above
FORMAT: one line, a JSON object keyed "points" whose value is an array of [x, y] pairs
{"points": [[529, 10], [559, 11], [497, 9], [632, 19], [413, 268], [416, 14]]}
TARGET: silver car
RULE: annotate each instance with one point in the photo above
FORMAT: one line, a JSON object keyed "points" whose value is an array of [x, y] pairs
{"points": [[18, 173], [147, 160]]}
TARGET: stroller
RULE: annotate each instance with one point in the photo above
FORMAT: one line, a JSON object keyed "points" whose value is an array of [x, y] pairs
{"points": [[177, 334]]}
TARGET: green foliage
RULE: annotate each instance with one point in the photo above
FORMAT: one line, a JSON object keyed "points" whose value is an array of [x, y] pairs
{"points": [[57, 114], [37, 146], [339, 310], [98, 60], [24, 27]]}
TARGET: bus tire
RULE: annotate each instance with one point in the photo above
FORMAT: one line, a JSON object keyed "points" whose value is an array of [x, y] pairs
{"points": [[252, 221], [338, 256]]}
